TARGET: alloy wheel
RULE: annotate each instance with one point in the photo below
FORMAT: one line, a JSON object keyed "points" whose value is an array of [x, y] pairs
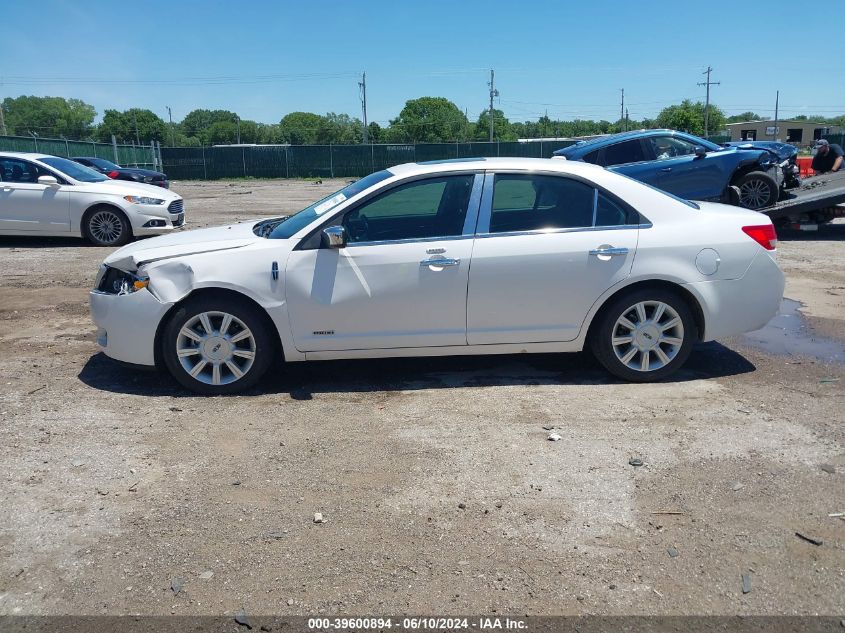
{"points": [[105, 226], [215, 348], [647, 336], [754, 194]]}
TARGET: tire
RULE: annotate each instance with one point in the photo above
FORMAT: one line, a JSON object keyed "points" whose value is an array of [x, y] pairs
{"points": [[106, 226], [624, 359], [757, 190], [222, 363]]}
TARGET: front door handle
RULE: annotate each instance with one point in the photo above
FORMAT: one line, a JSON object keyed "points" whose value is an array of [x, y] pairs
{"points": [[439, 262], [609, 251], [666, 170]]}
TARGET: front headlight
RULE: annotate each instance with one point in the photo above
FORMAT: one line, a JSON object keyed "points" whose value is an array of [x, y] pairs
{"points": [[143, 200], [119, 282]]}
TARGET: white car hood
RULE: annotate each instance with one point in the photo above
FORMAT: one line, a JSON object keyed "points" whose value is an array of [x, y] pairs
{"points": [[183, 243], [126, 188]]}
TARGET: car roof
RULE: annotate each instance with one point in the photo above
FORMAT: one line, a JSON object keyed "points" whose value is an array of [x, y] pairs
{"points": [[610, 139], [25, 155], [481, 164]]}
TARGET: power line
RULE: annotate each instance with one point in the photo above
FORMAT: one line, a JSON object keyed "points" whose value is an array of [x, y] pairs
{"points": [[187, 81]]}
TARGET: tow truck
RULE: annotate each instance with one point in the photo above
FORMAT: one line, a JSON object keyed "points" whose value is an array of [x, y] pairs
{"points": [[817, 200]]}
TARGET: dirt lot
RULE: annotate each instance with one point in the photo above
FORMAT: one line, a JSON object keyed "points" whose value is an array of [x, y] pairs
{"points": [[440, 490]]}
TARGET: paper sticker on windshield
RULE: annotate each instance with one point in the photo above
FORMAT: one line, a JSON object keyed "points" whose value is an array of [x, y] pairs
{"points": [[329, 204]]}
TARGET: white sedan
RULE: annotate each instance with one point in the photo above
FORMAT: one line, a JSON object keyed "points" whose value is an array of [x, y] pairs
{"points": [[51, 196], [455, 257]]}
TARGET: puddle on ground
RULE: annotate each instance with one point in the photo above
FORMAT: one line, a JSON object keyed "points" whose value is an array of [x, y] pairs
{"points": [[788, 334]]}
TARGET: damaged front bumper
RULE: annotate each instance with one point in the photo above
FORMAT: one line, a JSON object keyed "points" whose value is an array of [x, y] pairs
{"points": [[127, 324]]}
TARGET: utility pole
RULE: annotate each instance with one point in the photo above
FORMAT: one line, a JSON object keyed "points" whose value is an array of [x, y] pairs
{"points": [[777, 99], [172, 133], [362, 86], [707, 83], [2, 121], [626, 119], [493, 93], [238, 119], [622, 108]]}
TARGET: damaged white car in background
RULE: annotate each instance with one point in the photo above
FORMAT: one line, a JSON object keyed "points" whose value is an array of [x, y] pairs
{"points": [[455, 257]]}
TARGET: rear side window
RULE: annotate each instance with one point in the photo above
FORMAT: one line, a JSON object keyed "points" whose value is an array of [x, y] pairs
{"points": [[625, 152], [534, 202], [592, 157], [611, 213]]}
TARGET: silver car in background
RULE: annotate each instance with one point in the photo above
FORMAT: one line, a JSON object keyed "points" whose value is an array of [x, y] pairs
{"points": [[51, 196]]}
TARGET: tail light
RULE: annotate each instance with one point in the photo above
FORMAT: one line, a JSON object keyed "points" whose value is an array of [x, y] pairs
{"points": [[763, 234], [113, 174]]}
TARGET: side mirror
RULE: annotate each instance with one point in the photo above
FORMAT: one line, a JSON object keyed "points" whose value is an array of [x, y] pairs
{"points": [[700, 152], [50, 181], [333, 237]]}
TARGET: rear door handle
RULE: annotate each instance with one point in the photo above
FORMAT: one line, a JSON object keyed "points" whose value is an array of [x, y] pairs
{"points": [[666, 170], [609, 251], [440, 262]]}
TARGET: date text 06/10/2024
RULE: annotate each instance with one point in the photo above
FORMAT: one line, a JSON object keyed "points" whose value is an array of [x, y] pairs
{"points": [[416, 623]]}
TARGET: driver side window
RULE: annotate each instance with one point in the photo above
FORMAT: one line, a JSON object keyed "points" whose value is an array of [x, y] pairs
{"points": [[434, 207], [13, 170], [666, 147]]}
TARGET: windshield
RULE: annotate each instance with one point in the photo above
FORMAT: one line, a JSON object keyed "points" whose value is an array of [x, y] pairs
{"points": [[73, 170], [300, 220]]}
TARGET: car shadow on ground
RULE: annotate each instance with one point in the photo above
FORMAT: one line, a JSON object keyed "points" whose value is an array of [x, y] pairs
{"points": [[825, 232], [26, 241], [301, 381]]}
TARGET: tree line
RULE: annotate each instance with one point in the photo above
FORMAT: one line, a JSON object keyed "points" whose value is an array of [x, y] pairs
{"points": [[423, 120]]}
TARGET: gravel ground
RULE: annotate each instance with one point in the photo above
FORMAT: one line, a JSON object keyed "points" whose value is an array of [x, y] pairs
{"points": [[439, 489]]}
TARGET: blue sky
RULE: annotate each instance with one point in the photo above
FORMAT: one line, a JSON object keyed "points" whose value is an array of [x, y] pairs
{"points": [[264, 59]]}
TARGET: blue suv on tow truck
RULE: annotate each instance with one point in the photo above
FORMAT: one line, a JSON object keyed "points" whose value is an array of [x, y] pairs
{"points": [[687, 166]]}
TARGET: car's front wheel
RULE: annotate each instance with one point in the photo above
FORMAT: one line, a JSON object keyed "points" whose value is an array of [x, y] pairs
{"points": [[644, 335], [757, 190], [106, 226], [216, 345]]}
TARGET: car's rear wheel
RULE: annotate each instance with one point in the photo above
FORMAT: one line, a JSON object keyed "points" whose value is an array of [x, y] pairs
{"points": [[215, 345], [757, 190], [644, 335], [106, 226]]}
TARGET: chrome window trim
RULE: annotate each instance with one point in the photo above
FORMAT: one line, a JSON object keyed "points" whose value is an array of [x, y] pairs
{"points": [[412, 240], [471, 219], [581, 229], [450, 238], [486, 211]]}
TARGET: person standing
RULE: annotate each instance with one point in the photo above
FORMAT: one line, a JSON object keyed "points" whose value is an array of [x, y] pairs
{"points": [[828, 157]]}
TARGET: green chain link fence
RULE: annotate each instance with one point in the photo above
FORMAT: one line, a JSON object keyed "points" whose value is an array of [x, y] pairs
{"points": [[127, 155], [328, 161], [288, 161]]}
